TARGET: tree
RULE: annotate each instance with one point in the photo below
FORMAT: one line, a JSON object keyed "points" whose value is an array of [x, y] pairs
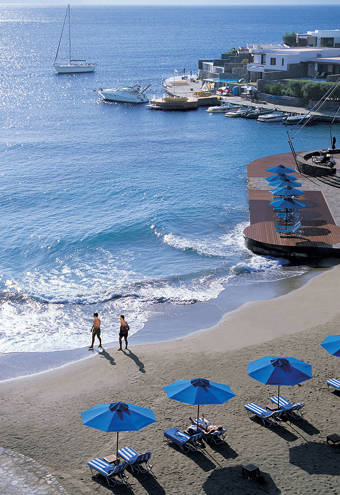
{"points": [[289, 39]]}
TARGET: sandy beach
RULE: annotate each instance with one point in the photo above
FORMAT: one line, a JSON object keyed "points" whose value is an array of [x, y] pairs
{"points": [[41, 414]]}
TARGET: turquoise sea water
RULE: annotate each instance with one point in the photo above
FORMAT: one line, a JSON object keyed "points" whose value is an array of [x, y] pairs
{"points": [[117, 208]]}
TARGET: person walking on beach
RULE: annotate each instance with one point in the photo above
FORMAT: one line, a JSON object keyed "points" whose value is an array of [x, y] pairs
{"points": [[123, 332], [95, 331]]}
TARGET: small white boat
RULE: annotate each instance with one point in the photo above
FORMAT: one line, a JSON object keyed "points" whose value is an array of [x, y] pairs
{"points": [[72, 66], [301, 118], [242, 112], [180, 85], [221, 108], [128, 94], [272, 117]]}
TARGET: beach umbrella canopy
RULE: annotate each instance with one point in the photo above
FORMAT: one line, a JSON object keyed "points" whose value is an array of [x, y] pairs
{"points": [[280, 168], [281, 180], [287, 190], [273, 370], [332, 345], [288, 204], [275, 177], [118, 416], [199, 391]]}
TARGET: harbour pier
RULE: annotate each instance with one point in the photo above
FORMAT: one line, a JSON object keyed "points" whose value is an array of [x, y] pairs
{"points": [[319, 235]]}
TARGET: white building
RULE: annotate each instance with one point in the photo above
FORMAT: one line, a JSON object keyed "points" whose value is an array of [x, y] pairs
{"points": [[272, 62], [324, 38]]}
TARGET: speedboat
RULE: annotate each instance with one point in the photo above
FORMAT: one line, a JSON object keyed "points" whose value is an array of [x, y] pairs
{"points": [[128, 94], [300, 118], [169, 103], [222, 108], [272, 117], [256, 112], [241, 112]]}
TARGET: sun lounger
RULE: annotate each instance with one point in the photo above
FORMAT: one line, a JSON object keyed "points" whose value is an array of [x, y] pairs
{"points": [[334, 382], [136, 462], [184, 441], [112, 474], [215, 436], [262, 413], [287, 406]]}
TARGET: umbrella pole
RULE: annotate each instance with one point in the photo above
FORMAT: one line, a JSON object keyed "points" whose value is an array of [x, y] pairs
{"points": [[198, 415], [278, 396], [117, 444]]}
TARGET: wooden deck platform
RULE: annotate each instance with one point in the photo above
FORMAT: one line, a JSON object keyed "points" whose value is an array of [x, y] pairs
{"points": [[319, 235]]}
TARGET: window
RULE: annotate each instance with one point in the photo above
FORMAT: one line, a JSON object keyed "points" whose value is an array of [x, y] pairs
{"points": [[263, 58], [273, 61], [282, 61]]}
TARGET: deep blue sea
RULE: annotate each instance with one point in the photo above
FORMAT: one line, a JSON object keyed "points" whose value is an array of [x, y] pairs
{"points": [[115, 208]]}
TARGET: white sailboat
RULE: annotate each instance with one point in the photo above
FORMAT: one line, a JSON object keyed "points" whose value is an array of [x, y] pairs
{"points": [[73, 66]]}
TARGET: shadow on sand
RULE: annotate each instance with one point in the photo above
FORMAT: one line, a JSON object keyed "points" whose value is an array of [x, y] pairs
{"points": [[220, 480], [136, 359], [116, 488], [106, 355], [198, 457], [315, 458], [150, 484], [278, 429], [224, 449]]}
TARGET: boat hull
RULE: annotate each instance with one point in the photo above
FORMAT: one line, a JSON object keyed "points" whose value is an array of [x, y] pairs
{"points": [[74, 68], [174, 104], [110, 95]]}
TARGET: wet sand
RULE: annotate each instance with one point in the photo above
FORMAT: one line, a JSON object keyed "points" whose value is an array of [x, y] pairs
{"points": [[41, 414]]}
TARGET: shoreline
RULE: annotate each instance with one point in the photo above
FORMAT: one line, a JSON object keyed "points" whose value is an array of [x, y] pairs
{"points": [[186, 319], [48, 428]]}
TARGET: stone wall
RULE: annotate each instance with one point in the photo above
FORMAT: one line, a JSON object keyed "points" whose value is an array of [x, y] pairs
{"points": [[281, 100]]}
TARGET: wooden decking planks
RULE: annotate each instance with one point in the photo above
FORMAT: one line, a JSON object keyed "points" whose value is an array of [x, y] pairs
{"points": [[318, 226]]}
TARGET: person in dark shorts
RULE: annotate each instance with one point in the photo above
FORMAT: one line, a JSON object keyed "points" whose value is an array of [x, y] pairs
{"points": [[123, 332], [95, 331]]}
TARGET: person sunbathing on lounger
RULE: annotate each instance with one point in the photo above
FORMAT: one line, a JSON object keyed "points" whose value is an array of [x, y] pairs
{"points": [[206, 426]]}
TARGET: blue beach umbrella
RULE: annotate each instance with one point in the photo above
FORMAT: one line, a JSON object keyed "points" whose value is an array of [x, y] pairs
{"points": [[280, 168], [199, 391], [275, 177], [279, 371], [332, 345], [287, 204], [118, 416], [286, 190], [281, 181]]}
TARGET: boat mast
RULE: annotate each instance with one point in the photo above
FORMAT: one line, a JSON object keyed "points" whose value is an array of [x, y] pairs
{"points": [[61, 35], [69, 31]]}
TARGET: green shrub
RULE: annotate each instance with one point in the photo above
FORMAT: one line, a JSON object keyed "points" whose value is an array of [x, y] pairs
{"points": [[289, 39]]}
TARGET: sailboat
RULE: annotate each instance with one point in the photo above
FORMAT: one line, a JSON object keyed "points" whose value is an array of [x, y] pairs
{"points": [[73, 65]]}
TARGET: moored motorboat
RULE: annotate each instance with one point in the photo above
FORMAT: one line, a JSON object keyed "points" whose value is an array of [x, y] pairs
{"points": [[182, 84], [241, 112], [272, 117], [169, 103], [128, 94], [222, 108], [255, 112], [300, 118]]}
